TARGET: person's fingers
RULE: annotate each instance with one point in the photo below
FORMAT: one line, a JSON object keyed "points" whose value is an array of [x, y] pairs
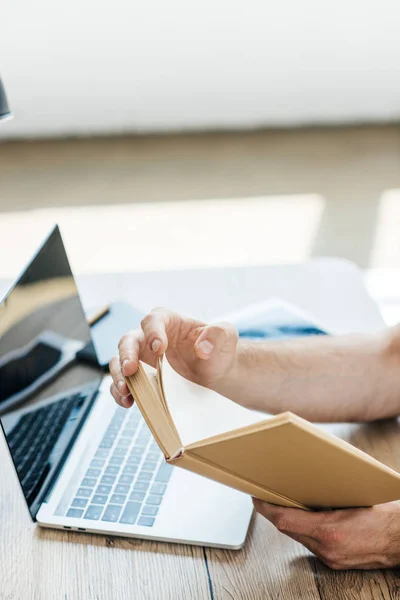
{"points": [[291, 520], [219, 337], [155, 326], [129, 350], [125, 402], [118, 378]]}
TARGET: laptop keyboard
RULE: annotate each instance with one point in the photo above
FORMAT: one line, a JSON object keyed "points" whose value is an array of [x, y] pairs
{"points": [[32, 440], [127, 477]]}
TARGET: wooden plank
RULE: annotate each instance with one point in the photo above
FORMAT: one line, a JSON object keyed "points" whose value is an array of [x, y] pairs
{"points": [[270, 566], [352, 585], [44, 564], [380, 440]]}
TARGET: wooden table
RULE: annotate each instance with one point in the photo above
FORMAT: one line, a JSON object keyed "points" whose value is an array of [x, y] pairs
{"points": [[41, 564]]}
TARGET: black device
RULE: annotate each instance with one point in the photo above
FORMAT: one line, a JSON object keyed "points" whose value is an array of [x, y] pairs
{"points": [[4, 108], [42, 328], [108, 330], [24, 371]]}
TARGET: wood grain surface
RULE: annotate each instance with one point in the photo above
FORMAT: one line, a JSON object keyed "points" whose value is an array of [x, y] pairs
{"points": [[44, 564]]}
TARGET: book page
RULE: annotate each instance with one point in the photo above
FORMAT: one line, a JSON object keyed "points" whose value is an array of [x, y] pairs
{"points": [[198, 412]]}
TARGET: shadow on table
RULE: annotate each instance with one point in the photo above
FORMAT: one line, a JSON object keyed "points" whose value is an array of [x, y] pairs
{"points": [[117, 543], [353, 583]]}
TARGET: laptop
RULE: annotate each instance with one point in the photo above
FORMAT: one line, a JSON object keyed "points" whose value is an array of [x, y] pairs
{"points": [[82, 462]]}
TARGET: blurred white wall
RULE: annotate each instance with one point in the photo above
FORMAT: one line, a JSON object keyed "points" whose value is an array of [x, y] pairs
{"points": [[90, 66]]}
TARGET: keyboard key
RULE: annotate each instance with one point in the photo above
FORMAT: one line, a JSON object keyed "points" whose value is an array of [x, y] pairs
{"points": [[93, 472], [140, 445], [75, 513], [121, 488], [141, 486], [149, 466], [134, 460], [137, 451], [106, 444], [116, 460], [103, 489], [99, 499], [137, 496], [79, 502], [112, 513], [112, 470], [128, 431], [120, 451], [130, 513], [124, 441], [153, 456], [129, 470], [118, 499], [145, 476], [150, 511], [158, 488], [154, 500], [113, 427], [126, 479], [97, 463], [93, 512], [164, 473], [146, 521], [101, 453], [88, 482], [108, 479], [84, 492]]}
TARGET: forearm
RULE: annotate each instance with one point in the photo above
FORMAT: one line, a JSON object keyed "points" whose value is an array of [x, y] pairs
{"points": [[343, 378]]}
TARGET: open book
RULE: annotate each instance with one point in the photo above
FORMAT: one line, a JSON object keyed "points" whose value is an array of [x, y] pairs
{"points": [[282, 459]]}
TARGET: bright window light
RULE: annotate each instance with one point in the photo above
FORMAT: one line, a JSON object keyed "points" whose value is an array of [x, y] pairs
{"points": [[167, 235], [386, 246]]}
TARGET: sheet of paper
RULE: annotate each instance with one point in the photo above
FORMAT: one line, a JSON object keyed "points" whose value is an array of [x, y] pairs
{"points": [[199, 413], [274, 319]]}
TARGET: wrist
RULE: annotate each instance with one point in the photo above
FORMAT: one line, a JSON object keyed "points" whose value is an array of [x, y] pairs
{"points": [[391, 527], [227, 379], [234, 383]]}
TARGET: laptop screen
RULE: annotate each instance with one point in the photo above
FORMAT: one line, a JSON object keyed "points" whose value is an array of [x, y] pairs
{"points": [[46, 380]]}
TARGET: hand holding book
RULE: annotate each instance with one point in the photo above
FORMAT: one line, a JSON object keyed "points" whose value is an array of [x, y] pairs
{"points": [[321, 378], [339, 378]]}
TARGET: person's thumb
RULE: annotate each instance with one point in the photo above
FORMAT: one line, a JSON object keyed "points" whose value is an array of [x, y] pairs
{"points": [[216, 338]]}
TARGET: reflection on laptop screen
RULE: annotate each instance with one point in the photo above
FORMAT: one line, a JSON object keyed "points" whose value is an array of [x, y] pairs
{"points": [[42, 330]]}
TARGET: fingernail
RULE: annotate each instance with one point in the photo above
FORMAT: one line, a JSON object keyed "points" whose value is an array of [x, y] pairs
{"points": [[124, 364], [120, 386], [206, 347], [155, 346]]}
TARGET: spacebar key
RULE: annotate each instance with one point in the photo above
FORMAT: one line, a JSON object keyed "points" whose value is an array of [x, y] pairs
{"points": [[130, 513]]}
